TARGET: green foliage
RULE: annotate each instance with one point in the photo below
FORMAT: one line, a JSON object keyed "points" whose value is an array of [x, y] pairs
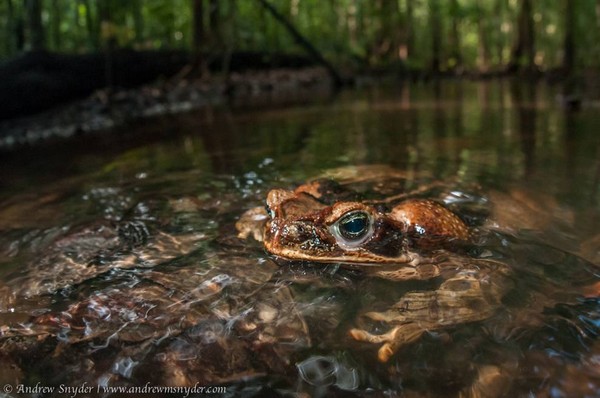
{"points": [[348, 32]]}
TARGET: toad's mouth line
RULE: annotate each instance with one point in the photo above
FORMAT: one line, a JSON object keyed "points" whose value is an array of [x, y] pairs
{"points": [[364, 259]]}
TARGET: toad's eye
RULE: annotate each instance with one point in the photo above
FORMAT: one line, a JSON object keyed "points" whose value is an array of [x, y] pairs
{"points": [[353, 229], [270, 212], [354, 225]]}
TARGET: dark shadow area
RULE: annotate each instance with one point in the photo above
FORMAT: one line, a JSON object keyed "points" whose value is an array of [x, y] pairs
{"points": [[40, 80]]}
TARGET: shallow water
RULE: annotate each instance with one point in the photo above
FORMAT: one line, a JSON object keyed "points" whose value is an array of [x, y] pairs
{"points": [[120, 265]]}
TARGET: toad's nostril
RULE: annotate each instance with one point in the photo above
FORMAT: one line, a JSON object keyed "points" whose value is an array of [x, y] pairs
{"points": [[297, 232], [290, 232]]}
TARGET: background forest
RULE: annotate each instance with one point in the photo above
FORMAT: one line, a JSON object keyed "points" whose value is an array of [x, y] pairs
{"points": [[433, 35]]}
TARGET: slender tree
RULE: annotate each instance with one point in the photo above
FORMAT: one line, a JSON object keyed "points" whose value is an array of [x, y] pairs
{"points": [[20, 31], [398, 29], [568, 60], [10, 28], [523, 52], [55, 24], [138, 20], [105, 16], [383, 41], [92, 28], [199, 65], [483, 50], [497, 31], [214, 19], [410, 35], [36, 29], [198, 25], [455, 59], [436, 35], [351, 23]]}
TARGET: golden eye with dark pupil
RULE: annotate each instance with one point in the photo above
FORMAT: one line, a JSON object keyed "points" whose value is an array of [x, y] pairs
{"points": [[354, 225]]}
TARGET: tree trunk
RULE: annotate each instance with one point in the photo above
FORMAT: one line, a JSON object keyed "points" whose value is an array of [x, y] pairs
{"points": [[10, 28], [410, 32], [389, 13], [199, 65], [36, 29], [214, 19], [351, 23], [198, 26], [312, 51], [383, 43], [397, 29], [20, 40], [483, 50], [93, 30], [169, 26], [138, 21], [497, 29], [104, 19], [55, 23], [333, 19], [569, 40], [436, 36], [104, 15], [523, 52], [455, 59]]}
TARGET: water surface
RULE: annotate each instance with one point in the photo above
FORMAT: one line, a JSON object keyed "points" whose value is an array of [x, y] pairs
{"points": [[120, 263]]}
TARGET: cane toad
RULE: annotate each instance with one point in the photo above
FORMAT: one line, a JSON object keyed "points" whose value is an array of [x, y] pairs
{"points": [[399, 237]]}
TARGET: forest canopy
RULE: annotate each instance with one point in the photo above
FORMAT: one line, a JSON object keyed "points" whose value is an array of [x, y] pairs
{"points": [[438, 35]]}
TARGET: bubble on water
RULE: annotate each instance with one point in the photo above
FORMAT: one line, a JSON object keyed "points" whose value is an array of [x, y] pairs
{"points": [[556, 392], [88, 327], [124, 367], [104, 380], [321, 371], [100, 310], [317, 371], [143, 211], [207, 332], [63, 336], [265, 162]]}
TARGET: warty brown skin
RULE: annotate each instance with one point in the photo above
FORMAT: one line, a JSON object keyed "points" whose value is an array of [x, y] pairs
{"points": [[300, 229]]}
